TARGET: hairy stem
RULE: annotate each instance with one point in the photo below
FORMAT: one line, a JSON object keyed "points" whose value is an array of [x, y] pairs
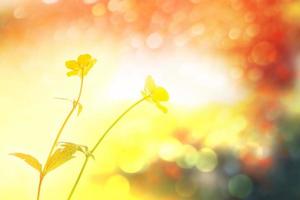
{"points": [[99, 142], [43, 173]]}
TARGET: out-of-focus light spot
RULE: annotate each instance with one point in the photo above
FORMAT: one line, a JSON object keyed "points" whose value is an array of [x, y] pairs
{"points": [[98, 10], [185, 188], [130, 16], [195, 1], [20, 13], [89, 1], [116, 5], [239, 124], [197, 29], [292, 11], [73, 32], [50, 1], [132, 161], [236, 73], [252, 30], [181, 40], [117, 187], [236, 4], [249, 17], [240, 186], [234, 33], [254, 75], [264, 53], [154, 40], [190, 157], [231, 166], [262, 152], [170, 150], [207, 160], [107, 166], [136, 42]]}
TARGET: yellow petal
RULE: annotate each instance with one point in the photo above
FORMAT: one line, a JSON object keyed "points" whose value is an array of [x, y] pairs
{"points": [[84, 60], [72, 73], [149, 84], [160, 94], [72, 64], [87, 68], [161, 107]]}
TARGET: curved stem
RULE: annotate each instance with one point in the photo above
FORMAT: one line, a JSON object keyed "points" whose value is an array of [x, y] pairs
{"points": [[78, 177], [99, 141], [115, 122], [59, 134]]}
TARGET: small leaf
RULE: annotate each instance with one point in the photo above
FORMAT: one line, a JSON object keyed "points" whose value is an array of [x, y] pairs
{"points": [[32, 161], [59, 157], [81, 148], [79, 107]]}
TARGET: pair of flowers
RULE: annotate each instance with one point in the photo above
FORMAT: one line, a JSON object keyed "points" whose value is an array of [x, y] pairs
{"points": [[152, 92]]}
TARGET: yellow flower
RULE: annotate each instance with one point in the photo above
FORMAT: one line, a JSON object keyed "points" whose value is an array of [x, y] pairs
{"points": [[81, 66], [155, 94]]}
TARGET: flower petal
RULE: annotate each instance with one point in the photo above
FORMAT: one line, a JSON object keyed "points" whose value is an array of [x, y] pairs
{"points": [[72, 64], [149, 84], [161, 107], [88, 67], [84, 60], [72, 73], [160, 94]]}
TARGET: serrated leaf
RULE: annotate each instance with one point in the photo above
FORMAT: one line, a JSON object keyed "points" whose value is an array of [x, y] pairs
{"points": [[30, 160], [59, 157], [81, 148]]}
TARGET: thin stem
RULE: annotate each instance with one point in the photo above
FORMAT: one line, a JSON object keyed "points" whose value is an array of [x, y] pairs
{"points": [[40, 186], [100, 140], [115, 122], [42, 174], [78, 177], [66, 120]]}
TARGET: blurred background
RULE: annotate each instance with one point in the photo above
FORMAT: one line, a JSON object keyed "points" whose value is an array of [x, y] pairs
{"points": [[231, 68]]}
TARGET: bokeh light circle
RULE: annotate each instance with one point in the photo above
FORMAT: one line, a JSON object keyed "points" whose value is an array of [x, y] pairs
{"points": [[240, 186], [207, 160], [189, 157], [185, 188], [117, 183], [264, 53]]}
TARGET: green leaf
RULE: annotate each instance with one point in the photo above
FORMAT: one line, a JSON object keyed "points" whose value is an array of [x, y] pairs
{"points": [[30, 160], [59, 157]]}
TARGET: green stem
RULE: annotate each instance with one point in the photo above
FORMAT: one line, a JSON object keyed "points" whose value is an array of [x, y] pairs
{"points": [[99, 141], [43, 173], [78, 177]]}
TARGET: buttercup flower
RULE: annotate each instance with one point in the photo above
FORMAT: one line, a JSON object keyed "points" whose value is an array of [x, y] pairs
{"points": [[81, 66], [155, 94]]}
